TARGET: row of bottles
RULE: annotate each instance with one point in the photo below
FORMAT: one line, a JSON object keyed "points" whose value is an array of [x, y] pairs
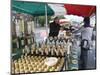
{"points": [[44, 51], [56, 41], [22, 30], [47, 49], [22, 23], [21, 41]]}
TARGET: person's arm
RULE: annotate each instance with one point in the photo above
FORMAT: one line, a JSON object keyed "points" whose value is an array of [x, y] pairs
{"points": [[78, 31]]}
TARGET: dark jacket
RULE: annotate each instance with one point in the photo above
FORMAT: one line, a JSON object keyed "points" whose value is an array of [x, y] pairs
{"points": [[54, 29]]}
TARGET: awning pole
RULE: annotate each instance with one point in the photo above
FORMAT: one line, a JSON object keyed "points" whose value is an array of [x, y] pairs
{"points": [[46, 22]]}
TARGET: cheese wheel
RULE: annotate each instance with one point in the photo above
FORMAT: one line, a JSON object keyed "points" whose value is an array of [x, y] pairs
{"points": [[20, 67], [21, 70], [45, 70], [16, 70], [30, 68], [32, 71], [39, 69], [16, 65], [26, 70], [25, 67], [35, 69]]}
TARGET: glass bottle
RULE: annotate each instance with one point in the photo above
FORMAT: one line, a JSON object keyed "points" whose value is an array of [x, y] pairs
{"points": [[27, 49], [53, 42], [36, 51], [56, 51], [22, 40], [46, 51], [52, 51], [33, 48]]}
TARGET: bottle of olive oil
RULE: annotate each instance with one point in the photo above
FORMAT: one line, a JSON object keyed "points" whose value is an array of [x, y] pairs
{"points": [[22, 40], [37, 52], [46, 51], [32, 37], [52, 51], [27, 49], [29, 41], [33, 49], [56, 52]]}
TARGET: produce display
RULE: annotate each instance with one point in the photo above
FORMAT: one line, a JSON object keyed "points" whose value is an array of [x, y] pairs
{"points": [[31, 64]]}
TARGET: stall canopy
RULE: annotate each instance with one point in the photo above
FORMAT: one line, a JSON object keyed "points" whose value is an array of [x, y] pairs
{"points": [[35, 9], [38, 9], [80, 10]]}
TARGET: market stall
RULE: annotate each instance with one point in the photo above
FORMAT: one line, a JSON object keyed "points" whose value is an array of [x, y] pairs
{"points": [[32, 48], [24, 45]]}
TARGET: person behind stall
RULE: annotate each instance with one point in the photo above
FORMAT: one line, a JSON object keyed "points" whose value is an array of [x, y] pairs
{"points": [[86, 35], [54, 27]]}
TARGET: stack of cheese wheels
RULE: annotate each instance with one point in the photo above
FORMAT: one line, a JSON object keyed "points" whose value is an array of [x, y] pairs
{"points": [[31, 64]]}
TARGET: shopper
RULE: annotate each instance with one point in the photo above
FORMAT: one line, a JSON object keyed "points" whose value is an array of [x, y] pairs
{"points": [[86, 35], [54, 27]]}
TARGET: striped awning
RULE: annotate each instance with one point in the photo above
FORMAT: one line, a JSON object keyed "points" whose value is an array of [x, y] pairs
{"points": [[40, 9]]}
